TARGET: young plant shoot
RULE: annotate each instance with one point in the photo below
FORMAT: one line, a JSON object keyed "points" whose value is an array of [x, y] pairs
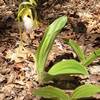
{"points": [[69, 67], [65, 67]]}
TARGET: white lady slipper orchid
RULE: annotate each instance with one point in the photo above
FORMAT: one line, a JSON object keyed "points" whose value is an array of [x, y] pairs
{"points": [[28, 23]]}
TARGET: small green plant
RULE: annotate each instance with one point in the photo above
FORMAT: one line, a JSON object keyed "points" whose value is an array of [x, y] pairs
{"points": [[69, 67], [54, 93], [63, 67], [84, 60]]}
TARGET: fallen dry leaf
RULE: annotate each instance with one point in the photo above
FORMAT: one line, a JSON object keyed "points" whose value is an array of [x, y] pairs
{"points": [[18, 54]]}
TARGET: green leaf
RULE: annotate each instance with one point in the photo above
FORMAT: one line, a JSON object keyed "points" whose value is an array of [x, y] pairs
{"points": [[51, 92], [92, 57], [86, 90], [77, 49], [47, 42], [68, 67]]}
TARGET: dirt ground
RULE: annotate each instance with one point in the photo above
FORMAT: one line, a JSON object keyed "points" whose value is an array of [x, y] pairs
{"points": [[17, 74]]}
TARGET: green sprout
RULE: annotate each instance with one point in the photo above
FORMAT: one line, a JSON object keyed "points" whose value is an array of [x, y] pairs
{"points": [[63, 67], [84, 59], [27, 14], [69, 67], [83, 91]]}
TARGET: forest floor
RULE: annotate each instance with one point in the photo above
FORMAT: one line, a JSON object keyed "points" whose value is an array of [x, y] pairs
{"points": [[16, 69]]}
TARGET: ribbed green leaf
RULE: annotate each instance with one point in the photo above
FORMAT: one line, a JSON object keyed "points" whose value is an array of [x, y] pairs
{"points": [[92, 57], [68, 67], [51, 92], [86, 90], [77, 49], [47, 42]]}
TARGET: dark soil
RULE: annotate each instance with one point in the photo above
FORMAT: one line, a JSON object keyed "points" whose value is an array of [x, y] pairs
{"points": [[17, 75]]}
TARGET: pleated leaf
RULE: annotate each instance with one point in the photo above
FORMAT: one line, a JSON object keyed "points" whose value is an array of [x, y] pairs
{"points": [[92, 57], [77, 49], [68, 67], [86, 90], [51, 92], [47, 42]]}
